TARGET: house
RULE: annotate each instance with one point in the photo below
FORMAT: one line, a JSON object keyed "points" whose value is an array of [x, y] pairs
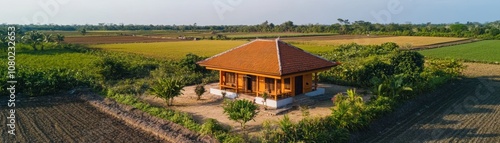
{"points": [[267, 66]]}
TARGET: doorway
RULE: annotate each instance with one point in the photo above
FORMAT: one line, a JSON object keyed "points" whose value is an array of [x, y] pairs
{"points": [[299, 85], [250, 82]]}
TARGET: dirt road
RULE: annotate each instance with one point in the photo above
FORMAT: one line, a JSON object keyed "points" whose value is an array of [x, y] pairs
{"points": [[65, 119]]}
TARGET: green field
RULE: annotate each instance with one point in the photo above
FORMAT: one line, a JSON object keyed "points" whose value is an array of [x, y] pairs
{"points": [[173, 50], [483, 51], [177, 50]]}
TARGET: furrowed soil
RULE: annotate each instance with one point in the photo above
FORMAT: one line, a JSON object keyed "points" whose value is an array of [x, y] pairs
{"points": [[62, 118], [466, 110]]}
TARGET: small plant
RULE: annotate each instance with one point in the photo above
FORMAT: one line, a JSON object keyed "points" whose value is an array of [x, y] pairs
{"points": [[304, 109], [199, 90], [223, 94], [240, 111], [167, 88], [265, 96]]}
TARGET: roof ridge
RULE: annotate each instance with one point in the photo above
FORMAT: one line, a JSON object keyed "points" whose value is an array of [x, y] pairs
{"points": [[280, 68], [230, 50], [307, 52]]}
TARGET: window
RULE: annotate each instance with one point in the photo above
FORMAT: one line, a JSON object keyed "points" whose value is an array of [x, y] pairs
{"points": [[269, 84], [287, 83], [230, 78]]}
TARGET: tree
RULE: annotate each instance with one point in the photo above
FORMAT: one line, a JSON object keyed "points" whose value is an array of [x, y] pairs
{"points": [[240, 111], [344, 28], [33, 38], [46, 39], [59, 38], [199, 90], [4, 42], [83, 31], [167, 88]]}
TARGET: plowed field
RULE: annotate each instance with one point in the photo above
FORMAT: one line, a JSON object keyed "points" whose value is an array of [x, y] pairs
{"points": [[65, 119], [465, 111]]}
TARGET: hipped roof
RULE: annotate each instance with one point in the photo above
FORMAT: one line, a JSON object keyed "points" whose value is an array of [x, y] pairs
{"points": [[268, 57]]}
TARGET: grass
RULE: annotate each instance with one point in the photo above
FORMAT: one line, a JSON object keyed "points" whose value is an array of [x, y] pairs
{"points": [[314, 48], [400, 40], [483, 51], [60, 58]]}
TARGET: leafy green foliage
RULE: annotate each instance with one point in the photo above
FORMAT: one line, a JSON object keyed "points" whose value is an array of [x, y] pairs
{"points": [[240, 111], [408, 62], [316, 129], [350, 111], [199, 90], [167, 88], [210, 126]]}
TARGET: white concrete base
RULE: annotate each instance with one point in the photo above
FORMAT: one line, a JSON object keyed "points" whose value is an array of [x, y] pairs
{"points": [[319, 91], [231, 95], [273, 103]]}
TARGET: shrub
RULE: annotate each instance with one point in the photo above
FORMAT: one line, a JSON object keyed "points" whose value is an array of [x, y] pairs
{"points": [[350, 111], [167, 88], [211, 126], [408, 62], [199, 90], [240, 111]]}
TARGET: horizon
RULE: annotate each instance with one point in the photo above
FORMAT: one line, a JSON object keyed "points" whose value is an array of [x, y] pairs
{"points": [[242, 12]]}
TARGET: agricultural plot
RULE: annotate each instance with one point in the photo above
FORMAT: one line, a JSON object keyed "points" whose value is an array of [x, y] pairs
{"points": [[466, 111], [66, 119], [483, 51], [116, 39], [174, 50], [403, 41]]}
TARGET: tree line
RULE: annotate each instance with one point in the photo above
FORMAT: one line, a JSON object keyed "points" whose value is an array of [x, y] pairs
{"points": [[488, 30]]}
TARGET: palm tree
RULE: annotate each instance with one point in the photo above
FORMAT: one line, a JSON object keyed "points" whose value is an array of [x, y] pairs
{"points": [[47, 39], [33, 38], [59, 38], [167, 88]]}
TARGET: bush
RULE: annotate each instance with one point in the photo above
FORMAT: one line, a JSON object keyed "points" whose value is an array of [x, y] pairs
{"points": [[211, 126], [408, 62], [240, 111], [199, 90]]}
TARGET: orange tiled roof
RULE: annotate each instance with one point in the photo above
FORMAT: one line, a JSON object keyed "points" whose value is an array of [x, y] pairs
{"points": [[268, 57]]}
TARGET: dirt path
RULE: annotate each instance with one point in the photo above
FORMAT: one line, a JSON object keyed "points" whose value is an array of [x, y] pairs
{"points": [[211, 107], [66, 119], [466, 111]]}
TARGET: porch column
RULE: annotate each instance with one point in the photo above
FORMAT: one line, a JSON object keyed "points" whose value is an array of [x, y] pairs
{"points": [[315, 81], [220, 79], [282, 85], [257, 87], [236, 80], [275, 90]]}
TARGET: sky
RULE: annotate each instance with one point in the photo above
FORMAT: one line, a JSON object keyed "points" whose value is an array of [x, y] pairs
{"points": [[245, 12]]}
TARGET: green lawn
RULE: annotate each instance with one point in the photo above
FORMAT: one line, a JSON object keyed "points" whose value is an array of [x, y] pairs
{"points": [[483, 51]]}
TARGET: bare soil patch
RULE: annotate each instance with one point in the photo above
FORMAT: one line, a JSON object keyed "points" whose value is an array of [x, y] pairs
{"points": [[211, 107], [66, 118], [334, 37]]}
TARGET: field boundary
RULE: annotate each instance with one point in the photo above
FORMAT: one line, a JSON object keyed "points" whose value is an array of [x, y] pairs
{"points": [[166, 130], [407, 111], [445, 44]]}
